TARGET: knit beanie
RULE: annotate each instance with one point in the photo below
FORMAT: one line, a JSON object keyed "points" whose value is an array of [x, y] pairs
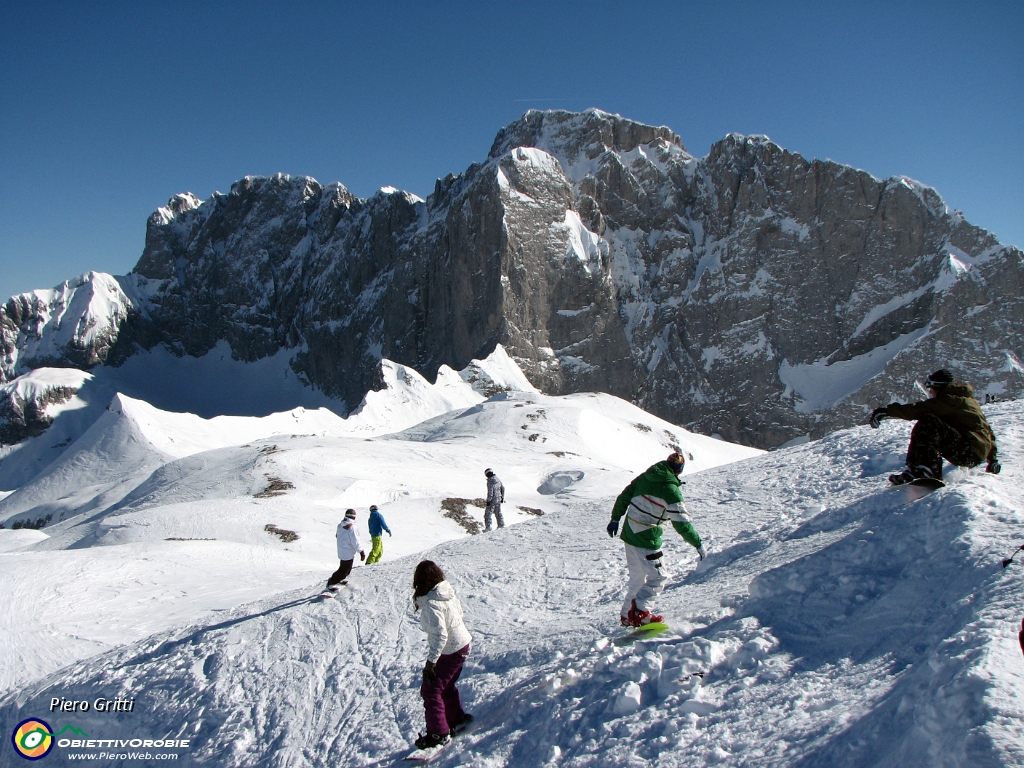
{"points": [[676, 462], [939, 379]]}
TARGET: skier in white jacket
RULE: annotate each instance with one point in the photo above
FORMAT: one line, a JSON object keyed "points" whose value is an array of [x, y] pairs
{"points": [[348, 546], [447, 648]]}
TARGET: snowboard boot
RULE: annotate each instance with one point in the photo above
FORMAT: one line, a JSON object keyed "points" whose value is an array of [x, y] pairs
{"points": [[431, 740], [910, 474], [463, 724], [640, 618]]}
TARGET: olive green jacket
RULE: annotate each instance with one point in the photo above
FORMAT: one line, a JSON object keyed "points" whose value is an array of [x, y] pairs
{"points": [[955, 405], [650, 500]]}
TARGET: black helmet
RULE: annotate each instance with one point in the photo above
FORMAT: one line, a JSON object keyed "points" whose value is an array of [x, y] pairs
{"points": [[939, 379]]}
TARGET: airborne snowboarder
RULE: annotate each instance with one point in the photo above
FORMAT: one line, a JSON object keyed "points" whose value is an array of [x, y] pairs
{"points": [[649, 501], [950, 425]]}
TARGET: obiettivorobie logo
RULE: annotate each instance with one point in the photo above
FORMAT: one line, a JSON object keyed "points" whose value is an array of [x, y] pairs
{"points": [[33, 738]]}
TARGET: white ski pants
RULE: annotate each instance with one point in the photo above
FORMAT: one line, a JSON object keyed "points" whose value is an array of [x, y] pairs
{"points": [[646, 578]]}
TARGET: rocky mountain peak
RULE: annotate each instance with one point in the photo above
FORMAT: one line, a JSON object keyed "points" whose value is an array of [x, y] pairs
{"points": [[751, 293], [575, 136]]}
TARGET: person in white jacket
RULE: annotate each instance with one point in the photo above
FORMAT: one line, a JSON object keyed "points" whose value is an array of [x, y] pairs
{"points": [[348, 546], [447, 648]]}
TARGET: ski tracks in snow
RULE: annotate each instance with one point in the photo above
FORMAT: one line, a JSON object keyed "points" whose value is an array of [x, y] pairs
{"points": [[831, 626]]}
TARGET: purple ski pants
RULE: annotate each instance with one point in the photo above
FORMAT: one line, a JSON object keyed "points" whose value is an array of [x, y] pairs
{"points": [[441, 698]]}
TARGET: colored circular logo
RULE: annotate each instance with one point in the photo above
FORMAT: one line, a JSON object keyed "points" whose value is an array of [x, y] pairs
{"points": [[33, 738]]}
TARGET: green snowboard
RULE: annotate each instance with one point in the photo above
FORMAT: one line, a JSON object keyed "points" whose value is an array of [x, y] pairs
{"points": [[653, 629]]}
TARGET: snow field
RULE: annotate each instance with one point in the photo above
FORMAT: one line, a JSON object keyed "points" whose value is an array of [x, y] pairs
{"points": [[148, 532], [836, 622]]}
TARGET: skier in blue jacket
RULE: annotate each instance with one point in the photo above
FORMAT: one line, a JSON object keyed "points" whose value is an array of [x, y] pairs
{"points": [[377, 528]]}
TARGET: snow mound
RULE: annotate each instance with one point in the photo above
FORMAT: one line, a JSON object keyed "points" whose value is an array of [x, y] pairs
{"points": [[602, 427], [97, 470], [407, 398], [17, 539]]}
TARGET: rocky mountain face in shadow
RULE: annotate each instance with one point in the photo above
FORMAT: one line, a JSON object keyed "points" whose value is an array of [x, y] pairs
{"points": [[750, 293]]}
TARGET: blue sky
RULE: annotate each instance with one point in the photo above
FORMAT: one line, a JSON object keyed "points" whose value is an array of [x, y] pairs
{"points": [[108, 109]]}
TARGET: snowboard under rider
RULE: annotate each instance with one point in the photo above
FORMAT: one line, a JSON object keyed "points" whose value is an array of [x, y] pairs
{"points": [[495, 498], [348, 546], [647, 503], [950, 425], [377, 528], [448, 643]]}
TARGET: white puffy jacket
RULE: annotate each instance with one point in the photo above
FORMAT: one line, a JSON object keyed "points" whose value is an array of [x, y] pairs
{"points": [[441, 619], [348, 540]]}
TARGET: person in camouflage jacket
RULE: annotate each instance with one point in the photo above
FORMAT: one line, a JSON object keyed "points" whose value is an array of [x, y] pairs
{"points": [[950, 425], [647, 503]]}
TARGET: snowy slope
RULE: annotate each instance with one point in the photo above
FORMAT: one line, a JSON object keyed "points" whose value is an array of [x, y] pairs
{"points": [[406, 399], [145, 486], [836, 622]]}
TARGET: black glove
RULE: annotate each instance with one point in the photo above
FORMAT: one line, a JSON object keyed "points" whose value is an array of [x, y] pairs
{"points": [[389, 533], [362, 555], [613, 528], [878, 416], [994, 466], [429, 674]]}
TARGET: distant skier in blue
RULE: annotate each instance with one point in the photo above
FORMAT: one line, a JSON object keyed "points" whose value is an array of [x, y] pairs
{"points": [[377, 528]]}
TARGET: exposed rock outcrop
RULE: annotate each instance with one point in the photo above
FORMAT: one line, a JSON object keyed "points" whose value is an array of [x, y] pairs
{"points": [[27, 403]]}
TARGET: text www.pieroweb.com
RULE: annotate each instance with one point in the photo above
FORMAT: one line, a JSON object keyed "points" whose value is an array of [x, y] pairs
{"points": [[122, 756]]}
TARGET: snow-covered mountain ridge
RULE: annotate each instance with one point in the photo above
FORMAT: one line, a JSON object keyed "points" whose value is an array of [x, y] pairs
{"points": [[835, 622], [749, 293]]}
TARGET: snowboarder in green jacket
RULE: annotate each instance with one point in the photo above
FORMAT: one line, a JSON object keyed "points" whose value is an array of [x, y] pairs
{"points": [[648, 502], [950, 425]]}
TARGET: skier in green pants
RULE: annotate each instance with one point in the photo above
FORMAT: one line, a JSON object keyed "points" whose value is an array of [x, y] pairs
{"points": [[649, 501], [377, 528]]}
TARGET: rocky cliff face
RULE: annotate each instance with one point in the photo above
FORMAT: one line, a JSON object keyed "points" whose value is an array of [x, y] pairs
{"points": [[750, 293]]}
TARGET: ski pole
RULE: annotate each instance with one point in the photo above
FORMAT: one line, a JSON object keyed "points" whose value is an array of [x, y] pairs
{"points": [[1009, 560]]}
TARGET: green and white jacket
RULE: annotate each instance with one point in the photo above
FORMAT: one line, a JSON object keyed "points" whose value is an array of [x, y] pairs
{"points": [[653, 498]]}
